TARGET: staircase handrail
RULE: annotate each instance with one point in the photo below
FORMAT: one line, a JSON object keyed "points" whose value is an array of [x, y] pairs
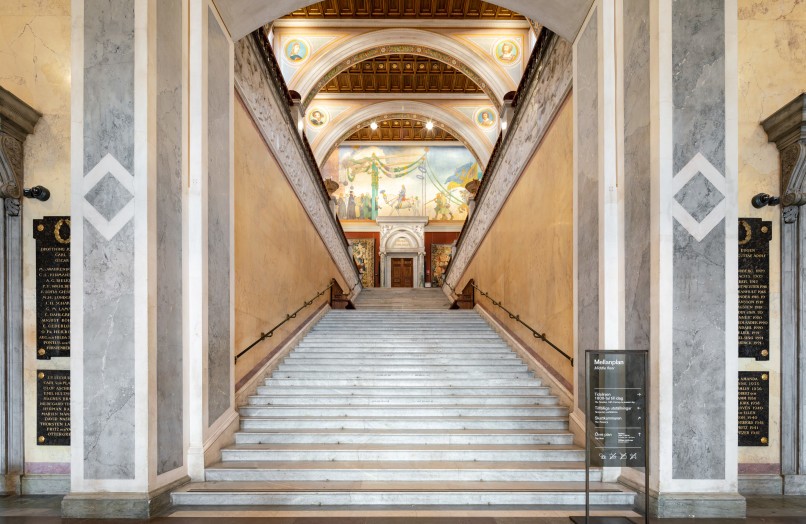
{"points": [[517, 318], [289, 316]]}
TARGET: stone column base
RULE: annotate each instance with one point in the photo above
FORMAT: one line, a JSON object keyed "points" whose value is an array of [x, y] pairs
{"points": [[699, 505], [120, 505], [794, 484], [10, 484]]}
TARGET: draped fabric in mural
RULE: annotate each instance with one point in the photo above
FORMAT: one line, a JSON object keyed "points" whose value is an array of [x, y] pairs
{"points": [[440, 257], [402, 181], [363, 250]]}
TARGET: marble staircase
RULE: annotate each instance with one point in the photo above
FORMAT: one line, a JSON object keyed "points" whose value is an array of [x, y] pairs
{"points": [[402, 299], [409, 407]]}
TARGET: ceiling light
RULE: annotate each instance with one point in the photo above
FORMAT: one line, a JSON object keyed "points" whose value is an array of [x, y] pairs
{"points": [[429, 125], [503, 125], [373, 125]]}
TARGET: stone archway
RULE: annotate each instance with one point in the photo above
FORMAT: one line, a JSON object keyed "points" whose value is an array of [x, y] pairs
{"points": [[342, 127], [402, 237]]}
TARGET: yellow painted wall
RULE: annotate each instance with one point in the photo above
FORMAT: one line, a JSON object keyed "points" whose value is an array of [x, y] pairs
{"points": [[772, 54], [526, 259], [280, 260], [35, 66]]}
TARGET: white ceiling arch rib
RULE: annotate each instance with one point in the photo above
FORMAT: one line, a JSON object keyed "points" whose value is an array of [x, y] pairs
{"points": [[564, 17], [483, 67], [339, 129]]}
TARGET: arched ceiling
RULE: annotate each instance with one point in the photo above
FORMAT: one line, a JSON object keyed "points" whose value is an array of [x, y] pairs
{"points": [[564, 17], [348, 123], [342, 55], [403, 75]]}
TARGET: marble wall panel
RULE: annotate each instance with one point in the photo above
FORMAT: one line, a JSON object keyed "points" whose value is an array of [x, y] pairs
{"points": [[587, 198], [108, 263], [218, 220], [698, 418], [637, 172], [169, 236]]}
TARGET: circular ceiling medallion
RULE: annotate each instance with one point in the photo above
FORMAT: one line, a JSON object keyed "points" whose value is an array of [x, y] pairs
{"points": [[297, 50], [485, 117], [318, 117], [506, 52]]}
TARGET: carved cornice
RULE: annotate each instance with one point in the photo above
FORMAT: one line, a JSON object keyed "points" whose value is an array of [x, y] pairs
{"points": [[542, 93], [787, 128], [17, 121], [265, 97]]}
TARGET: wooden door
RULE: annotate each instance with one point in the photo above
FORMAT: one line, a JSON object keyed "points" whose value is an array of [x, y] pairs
{"points": [[402, 272]]}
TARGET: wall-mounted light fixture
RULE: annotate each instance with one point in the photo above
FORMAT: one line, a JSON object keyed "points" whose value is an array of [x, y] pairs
{"points": [[429, 125], [38, 192], [373, 125]]}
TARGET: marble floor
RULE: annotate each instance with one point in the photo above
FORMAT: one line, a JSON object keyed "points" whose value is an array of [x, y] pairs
{"points": [[45, 510]]}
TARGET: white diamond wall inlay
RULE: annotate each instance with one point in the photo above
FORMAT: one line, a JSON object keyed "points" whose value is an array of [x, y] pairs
{"points": [[698, 164], [108, 228]]}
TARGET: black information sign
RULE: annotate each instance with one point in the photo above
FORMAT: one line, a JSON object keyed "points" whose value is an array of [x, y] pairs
{"points": [[754, 408], [52, 235], [617, 408], [53, 407], [754, 288]]}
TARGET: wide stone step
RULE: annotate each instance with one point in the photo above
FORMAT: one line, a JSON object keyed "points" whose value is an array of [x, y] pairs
{"points": [[362, 452], [409, 401], [404, 375], [401, 393], [475, 350], [362, 366], [416, 383], [398, 358], [407, 423], [403, 411], [391, 471], [401, 437]]}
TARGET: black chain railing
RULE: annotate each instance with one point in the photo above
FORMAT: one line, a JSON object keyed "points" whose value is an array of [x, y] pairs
{"points": [[289, 316], [517, 318]]}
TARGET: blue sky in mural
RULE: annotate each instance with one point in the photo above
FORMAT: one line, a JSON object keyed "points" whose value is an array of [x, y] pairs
{"points": [[401, 179]]}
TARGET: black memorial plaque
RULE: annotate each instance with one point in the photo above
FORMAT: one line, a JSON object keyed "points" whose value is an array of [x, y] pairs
{"points": [[754, 288], [53, 407], [616, 408], [52, 235], [754, 408]]}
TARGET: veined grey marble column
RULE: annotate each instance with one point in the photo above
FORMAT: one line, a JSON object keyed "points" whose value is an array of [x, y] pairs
{"points": [[17, 121], [128, 409]]}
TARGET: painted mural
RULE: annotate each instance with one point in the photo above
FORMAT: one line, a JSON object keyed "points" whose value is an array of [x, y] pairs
{"points": [[402, 181], [440, 257], [363, 250]]}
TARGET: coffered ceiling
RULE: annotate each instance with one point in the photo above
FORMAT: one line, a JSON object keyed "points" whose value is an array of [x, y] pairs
{"points": [[401, 74], [407, 9], [401, 130]]}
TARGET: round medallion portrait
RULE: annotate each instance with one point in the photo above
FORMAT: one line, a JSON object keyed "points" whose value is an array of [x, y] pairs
{"points": [[507, 52], [297, 50], [318, 117], [485, 117]]}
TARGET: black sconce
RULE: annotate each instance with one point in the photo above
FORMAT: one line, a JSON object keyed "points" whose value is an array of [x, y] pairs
{"points": [[763, 199], [38, 192]]}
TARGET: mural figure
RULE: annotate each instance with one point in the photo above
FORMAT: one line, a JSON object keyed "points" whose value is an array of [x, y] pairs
{"points": [[341, 207], [485, 118], [440, 258], [363, 250], [506, 52], [318, 118], [407, 181], [296, 51]]}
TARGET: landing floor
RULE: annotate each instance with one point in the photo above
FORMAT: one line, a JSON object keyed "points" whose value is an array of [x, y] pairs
{"points": [[45, 510]]}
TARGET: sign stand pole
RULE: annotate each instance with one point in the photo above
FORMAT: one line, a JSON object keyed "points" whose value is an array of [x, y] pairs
{"points": [[587, 519]]}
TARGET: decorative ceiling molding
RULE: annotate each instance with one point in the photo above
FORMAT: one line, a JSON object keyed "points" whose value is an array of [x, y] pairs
{"points": [[564, 17], [445, 10], [376, 23], [266, 103], [401, 130], [544, 94], [329, 63], [401, 75], [351, 121]]}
